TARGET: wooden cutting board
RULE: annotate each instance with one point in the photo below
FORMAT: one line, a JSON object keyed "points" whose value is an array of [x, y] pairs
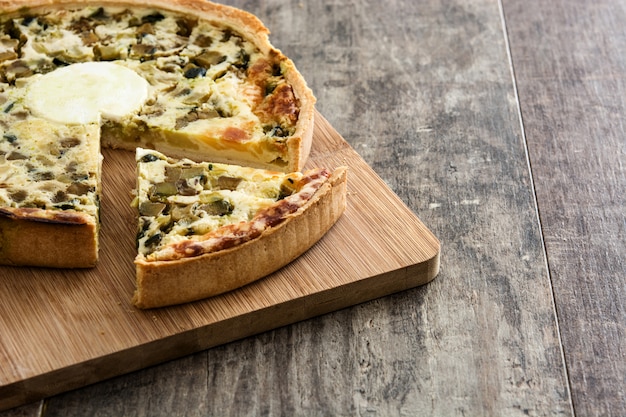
{"points": [[63, 329]]}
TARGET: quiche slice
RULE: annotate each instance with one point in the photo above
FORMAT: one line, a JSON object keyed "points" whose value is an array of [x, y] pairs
{"points": [[190, 78], [49, 194], [208, 228]]}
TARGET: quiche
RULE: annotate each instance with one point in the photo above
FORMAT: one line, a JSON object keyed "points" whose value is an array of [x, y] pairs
{"points": [[188, 78], [208, 228]]}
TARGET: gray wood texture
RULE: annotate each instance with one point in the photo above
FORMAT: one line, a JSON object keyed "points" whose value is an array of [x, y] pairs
{"points": [[501, 125], [570, 62]]}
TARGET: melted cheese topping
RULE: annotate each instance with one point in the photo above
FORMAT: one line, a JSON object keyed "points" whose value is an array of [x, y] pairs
{"points": [[188, 208], [84, 93]]}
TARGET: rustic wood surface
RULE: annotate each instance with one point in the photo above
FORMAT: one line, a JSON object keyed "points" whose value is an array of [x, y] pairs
{"points": [[501, 125], [570, 62]]}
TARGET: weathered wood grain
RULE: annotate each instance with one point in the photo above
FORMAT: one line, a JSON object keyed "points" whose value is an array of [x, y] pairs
{"points": [[570, 62], [423, 90]]}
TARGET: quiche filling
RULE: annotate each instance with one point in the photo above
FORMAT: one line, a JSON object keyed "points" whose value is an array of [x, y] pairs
{"points": [[182, 84], [188, 208], [48, 166]]}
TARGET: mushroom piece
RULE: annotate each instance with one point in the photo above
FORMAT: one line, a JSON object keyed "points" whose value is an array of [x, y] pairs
{"points": [[228, 183], [217, 208], [162, 190], [79, 188], [148, 208], [209, 58], [184, 188]]}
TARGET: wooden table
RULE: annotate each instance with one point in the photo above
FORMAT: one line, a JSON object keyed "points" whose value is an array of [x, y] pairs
{"points": [[501, 124]]}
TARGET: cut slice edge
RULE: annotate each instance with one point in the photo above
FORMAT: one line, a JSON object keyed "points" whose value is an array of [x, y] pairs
{"points": [[161, 283], [75, 243]]}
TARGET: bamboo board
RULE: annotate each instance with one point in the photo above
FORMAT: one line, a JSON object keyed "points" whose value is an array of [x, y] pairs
{"points": [[64, 329]]}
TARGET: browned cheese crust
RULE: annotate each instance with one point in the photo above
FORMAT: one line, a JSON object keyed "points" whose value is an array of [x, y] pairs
{"points": [[164, 283], [53, 239]]}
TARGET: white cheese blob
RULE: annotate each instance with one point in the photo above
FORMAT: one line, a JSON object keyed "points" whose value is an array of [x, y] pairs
{"points": [[85, 92]]}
